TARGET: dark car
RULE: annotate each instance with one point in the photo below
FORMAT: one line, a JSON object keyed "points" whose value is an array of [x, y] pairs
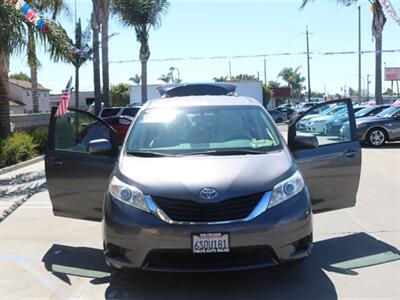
{"points": [[203, 183], [334, 123], [109, 112], [278, 116], [130, 110], [288, 111], [376, 130]]}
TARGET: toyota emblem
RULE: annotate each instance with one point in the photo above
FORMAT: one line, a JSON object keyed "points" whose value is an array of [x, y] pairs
{"points": [[208, 193]]}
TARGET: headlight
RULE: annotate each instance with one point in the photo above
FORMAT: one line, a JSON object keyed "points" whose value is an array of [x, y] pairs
{"points": [[127, 194], [286, 189]]}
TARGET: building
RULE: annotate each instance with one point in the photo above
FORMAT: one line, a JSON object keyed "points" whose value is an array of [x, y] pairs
{"points": [[16, 107], [85, 99], [251, 89], [21, 91]]}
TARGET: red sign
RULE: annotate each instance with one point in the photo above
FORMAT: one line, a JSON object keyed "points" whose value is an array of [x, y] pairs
{"points": [[392, 74]]}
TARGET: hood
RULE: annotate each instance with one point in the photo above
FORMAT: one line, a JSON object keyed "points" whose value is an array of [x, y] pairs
{"points": [[183, 177], [321, 118]]}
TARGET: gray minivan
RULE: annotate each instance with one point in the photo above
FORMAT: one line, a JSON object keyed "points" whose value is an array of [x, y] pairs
{"points": [[201, 183]]}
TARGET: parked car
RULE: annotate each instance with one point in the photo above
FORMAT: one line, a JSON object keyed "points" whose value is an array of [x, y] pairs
{"points": [[109, 111], [278, 116], [318, 124], [334, 126], [317, 113], [376, 130], [129, 110], [289, 112], [304, 106], [201, 183], [197, 89]]}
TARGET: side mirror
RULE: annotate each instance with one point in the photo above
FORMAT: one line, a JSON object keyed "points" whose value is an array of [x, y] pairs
{"points": [[305, 141], [99, 147]]}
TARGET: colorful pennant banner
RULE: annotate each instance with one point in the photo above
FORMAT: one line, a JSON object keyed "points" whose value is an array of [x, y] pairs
{"points": [[29, 13]]}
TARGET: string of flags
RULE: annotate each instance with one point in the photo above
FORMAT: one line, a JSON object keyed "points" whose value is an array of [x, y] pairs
{"points": [[29, 13], [255, 56], [388, 7]]}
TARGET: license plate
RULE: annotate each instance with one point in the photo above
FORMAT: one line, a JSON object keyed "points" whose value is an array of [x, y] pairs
{"points": [[210, 242]]}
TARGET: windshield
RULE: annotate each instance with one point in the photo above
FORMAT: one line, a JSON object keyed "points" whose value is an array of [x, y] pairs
{"points": [[130, 111], [197, 130], [108, 112], [388, 112], [364, 111]]}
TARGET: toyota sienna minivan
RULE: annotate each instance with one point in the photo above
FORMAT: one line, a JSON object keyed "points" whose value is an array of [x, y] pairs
{"points": [[200, 183]]}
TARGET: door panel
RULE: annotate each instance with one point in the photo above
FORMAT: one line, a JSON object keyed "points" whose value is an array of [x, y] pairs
{"points": [[77, 180], [332, 170]]}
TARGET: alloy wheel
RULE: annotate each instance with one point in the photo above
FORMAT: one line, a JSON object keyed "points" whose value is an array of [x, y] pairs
{"points": [[377, 138]]}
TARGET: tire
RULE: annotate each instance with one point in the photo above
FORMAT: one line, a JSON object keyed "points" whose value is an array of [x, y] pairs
{"points": [[376, 137]]}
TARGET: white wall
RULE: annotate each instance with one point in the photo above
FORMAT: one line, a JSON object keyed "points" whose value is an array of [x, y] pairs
{"points": [[251, 89], [23, 95]]}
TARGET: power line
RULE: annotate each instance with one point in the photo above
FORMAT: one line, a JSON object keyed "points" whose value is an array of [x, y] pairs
{"points": [[330, 53]]}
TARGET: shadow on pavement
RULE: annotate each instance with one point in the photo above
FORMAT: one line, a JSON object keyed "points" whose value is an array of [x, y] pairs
{"points": [[305, 280]]}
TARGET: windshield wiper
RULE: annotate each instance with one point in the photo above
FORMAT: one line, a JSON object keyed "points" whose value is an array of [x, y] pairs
{"points": [[148, 154], [227, 152]]}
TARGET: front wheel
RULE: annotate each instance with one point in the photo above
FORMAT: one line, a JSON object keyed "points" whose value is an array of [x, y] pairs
{"points": [[376, 137]]}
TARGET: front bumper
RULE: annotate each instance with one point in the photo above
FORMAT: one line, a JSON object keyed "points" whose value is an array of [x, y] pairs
{"points": [[136, 239]]}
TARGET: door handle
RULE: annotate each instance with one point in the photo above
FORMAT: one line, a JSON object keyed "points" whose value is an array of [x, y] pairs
{"points": [[56, 162], [350, 153]]}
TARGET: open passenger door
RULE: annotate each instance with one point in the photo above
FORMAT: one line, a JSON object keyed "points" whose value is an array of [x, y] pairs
{"points": [[328, 154], [77, 180]]}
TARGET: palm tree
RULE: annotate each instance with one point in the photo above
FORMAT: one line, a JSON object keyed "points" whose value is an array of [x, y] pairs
{"points": [[82, 54], [142, 15], [13, 32], [95, 24], [104, 10], [294, 79], [166, 77], [136, 79], [221, 79], [378, 22], [55, 7]]}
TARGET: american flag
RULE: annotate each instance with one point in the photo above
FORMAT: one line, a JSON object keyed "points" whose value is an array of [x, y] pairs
{"points": [[64, 100]]}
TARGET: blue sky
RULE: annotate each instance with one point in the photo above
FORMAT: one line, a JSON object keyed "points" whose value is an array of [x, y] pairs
{"points": [[233, 27]]}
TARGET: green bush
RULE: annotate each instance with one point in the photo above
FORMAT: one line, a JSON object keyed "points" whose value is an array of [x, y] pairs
{"points": [[17, 148], [39, 136]]}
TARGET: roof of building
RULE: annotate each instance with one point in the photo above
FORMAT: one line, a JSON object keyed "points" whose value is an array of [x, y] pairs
{"points": [[14, 103], [26, 84], [201, 101]]}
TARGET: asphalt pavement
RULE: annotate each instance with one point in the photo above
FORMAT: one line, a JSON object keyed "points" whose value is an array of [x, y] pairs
{"points": [[356, 253]]}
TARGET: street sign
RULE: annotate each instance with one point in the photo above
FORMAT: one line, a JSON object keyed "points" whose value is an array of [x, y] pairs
{"points": [[392, 74]]}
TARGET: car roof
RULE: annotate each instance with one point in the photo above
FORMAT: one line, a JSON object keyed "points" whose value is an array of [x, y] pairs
{"points": [[192, 101]]}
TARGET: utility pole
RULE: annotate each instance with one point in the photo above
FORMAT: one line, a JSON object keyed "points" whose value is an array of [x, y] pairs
{"points": [[368, 83], [265, 71], [359, 54], [308, 66], [230, 71]]}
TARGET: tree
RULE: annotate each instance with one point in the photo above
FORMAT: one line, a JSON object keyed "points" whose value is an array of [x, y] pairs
{"points": [[49, 6], [167, 78], [13, 39], [378, 23], [119, 94], [136, 79], [142, 15], [243, 77], [221, 79], [274, 84], [82, 53], [104, 9], [294, 79], [95, 24], [267, 94], [20, 76]]}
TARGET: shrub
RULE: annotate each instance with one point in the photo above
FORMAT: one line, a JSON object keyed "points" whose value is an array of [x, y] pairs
{"points": [[17, 148], [39, 136]]}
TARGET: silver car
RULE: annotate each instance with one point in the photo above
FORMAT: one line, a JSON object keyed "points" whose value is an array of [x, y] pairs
{"points": [[201, 183]]}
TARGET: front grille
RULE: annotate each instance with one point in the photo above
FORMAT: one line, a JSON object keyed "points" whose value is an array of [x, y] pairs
{"points": [[191, 211], [186, 260]]}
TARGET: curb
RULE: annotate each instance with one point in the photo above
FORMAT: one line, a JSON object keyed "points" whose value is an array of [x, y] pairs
{"points": [[21, 165]]}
